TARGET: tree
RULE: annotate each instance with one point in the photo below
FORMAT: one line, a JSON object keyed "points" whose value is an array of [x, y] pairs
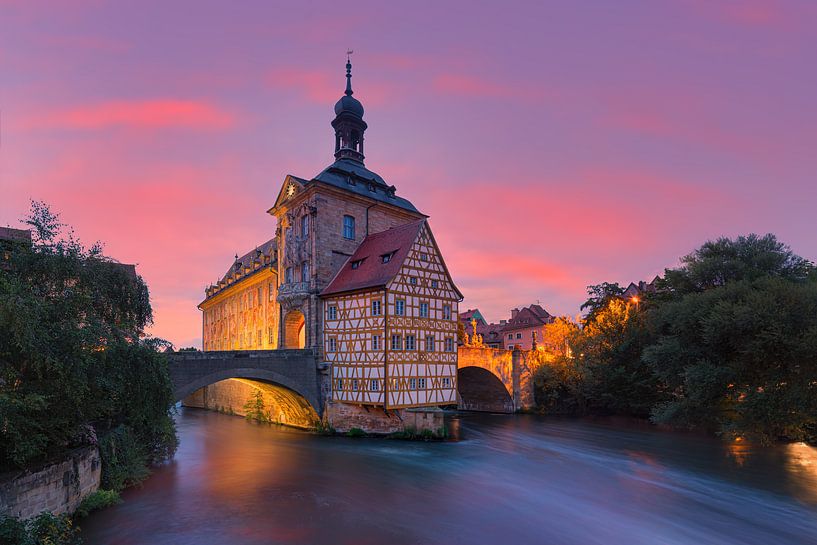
{"points": [[74, 362], [557, 334], [741, 359], [255, 409], [719, 262], [600, 295]]}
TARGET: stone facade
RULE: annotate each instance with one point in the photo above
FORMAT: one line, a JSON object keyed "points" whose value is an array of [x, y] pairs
{"points": [[512, 368], [343, 417], [58, 487]]}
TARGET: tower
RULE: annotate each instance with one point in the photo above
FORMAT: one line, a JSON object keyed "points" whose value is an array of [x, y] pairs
{"points": [[348, 123]]}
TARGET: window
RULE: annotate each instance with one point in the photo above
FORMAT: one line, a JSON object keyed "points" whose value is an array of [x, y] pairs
{"points": [[423, 256], [396, 342], [410, 345], [375, 308], [429, 343], [423, 310], [446, 312], [434, 283], [354, 385], [288, 234], [412, 384], [374, 386], [385, 258], [305, 271], [333, 312], [304, 226], [413, 280], [518, 335], [510, 347], [446, 382], [259, 296], [288, 275], [271, 291], [349, 227], [333, 344], [269, 335], [258, 338], [510, 336], [339, 384], [375, 342], [421, 383], [449, 344], [356, 263], [400, 307]]}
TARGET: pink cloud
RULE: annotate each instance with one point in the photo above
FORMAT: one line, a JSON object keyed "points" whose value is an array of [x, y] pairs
{"points": [[320, 87], [470, 86], [160, 113]]}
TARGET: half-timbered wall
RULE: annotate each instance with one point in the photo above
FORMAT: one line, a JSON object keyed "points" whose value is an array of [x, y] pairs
{"points": [[350, 330], [418, 376]]}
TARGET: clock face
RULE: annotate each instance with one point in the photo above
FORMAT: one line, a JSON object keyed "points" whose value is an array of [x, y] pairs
{"points": [[291, 190]]}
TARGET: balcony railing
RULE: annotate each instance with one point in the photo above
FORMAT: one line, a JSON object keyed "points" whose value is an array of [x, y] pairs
{"points": [[294, 289]]}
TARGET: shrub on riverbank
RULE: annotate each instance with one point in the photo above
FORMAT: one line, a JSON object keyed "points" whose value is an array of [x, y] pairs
{"points": [[76, 368], [727, 343], [44, 529]]}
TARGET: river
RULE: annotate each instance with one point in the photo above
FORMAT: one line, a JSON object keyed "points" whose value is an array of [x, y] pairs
{"points": [[509, 480]]}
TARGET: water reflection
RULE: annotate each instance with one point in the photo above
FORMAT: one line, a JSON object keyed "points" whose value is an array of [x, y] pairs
{"points": [[510, 479]]}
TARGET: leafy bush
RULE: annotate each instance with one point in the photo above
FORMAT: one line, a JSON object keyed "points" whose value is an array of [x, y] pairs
{"points": [[356, 432], [44, 529], [96, 501], [255, 410]]}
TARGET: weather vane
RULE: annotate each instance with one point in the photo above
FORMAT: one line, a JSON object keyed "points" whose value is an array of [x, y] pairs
{"points": [[349, 53]]}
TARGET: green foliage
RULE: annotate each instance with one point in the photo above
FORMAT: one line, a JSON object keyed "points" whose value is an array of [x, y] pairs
{"points": [[719, 262], [356, 432], [255, 410], [411, 434], [741, 359], [74, 363], [44, 529], [727, 344], [599, 296], [96, 501]]}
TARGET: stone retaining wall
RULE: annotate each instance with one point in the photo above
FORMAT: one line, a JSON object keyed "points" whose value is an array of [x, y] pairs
{"points": [[343, 417], [58, 487]]}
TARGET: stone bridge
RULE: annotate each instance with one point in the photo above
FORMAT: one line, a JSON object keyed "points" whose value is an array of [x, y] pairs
{"points": [[277, 373], [494, 380]]}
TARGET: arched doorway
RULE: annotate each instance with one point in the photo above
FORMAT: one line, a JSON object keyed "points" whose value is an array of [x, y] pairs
{"points": [[481, 390], [294, 330]]}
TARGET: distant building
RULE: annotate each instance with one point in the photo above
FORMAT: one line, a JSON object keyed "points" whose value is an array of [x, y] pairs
{"points": [[639, 290], [491, 333], [524, 323], [9, 238]]}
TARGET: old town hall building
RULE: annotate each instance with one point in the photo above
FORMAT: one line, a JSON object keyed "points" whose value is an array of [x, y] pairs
{"points": [[354, 273]]}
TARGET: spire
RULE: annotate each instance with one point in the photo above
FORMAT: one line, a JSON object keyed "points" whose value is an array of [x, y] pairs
{"points": [[349, 91]]}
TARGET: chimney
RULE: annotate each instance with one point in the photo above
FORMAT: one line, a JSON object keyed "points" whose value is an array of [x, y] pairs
{"points": [[514, 312]]}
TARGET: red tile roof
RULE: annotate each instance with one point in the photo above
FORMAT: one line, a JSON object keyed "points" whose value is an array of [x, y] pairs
{"points": [[532, 316], [371, 271]]}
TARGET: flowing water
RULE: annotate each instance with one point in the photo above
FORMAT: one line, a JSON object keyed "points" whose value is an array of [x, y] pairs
{"points": [[509, 479]]}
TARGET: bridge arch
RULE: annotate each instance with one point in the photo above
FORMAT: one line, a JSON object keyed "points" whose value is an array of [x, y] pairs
{"points": [[481, 390], [287, 380]]}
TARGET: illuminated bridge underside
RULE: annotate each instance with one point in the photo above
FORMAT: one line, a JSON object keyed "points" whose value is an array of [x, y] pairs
{"points": [[226, 380], [280, 405]]}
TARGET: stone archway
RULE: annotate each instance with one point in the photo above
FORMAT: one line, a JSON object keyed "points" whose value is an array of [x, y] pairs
{"points": [[294, 329], [276, 403], [481, 390]]}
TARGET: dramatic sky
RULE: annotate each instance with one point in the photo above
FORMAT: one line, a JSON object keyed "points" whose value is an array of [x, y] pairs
{"points": [[553, 144]]}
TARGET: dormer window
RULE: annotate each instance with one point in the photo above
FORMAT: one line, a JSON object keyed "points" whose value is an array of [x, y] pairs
{"points": [[356, 263], [386, 257]]}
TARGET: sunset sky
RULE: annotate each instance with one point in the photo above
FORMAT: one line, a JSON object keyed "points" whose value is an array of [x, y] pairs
{"points": [[553, 144]]}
